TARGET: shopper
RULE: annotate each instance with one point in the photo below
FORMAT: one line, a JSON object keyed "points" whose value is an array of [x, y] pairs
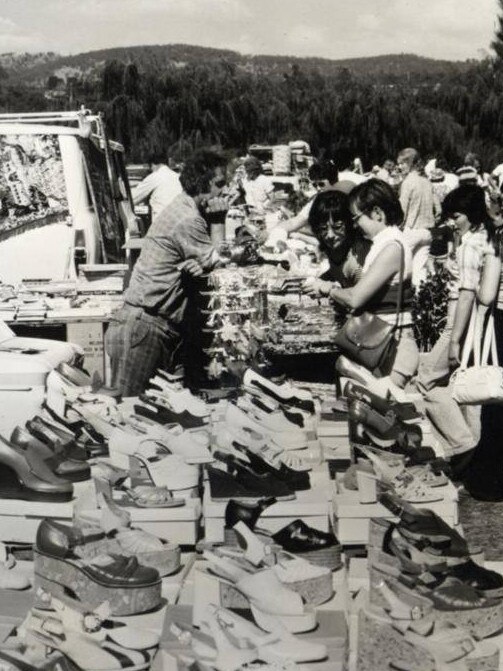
{"points": [[324, 176], [483, 475], [257, 188], [376, 210], [346, 249], [419, 205], [159, 187], [146, 333], [458, 426]]}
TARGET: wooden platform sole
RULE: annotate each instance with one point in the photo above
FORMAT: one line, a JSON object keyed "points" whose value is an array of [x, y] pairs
{"points": [[61, 577]]}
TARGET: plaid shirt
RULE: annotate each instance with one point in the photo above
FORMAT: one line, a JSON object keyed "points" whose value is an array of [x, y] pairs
{"points": [[179, 233], [467, 268]]}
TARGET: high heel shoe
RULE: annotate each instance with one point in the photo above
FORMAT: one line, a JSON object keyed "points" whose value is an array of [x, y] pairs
{"points": [[165, 415], [296, 480], [404, 412], [284, 393], [410, 484], [236, 511], [169, 471], [367, 427], [90, 640], [215, 647], [129, 587], [262, 483], [401, 634], [318, 547], [65, 468], [413, 557], [193, 447], [451, 600], [269, 600], [312, 582], [57, 439], [115, 522], [24, 475], [279, 646]]}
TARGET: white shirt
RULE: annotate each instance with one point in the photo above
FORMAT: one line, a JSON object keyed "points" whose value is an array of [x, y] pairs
{"points": [[161, 186], [257, 191], [379, 242], [382, 240]]}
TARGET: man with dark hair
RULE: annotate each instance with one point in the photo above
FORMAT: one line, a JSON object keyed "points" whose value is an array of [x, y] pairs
{"points": [[159, 187], [146, 333], [324, 176]]}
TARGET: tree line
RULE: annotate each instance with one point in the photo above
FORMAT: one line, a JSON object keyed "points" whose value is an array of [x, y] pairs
{"points": [[342, 115]]}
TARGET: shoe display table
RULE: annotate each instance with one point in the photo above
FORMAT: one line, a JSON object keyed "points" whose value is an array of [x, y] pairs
{"points": [[19, 520], [351, 518], [312, 506], [331, 630]]}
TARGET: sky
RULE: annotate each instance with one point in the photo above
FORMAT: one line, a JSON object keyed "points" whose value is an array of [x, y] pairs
{"points": [[450, 29]]}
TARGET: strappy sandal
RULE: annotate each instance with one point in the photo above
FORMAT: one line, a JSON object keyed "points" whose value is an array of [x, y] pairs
{"points": [[91, 640], [215, 647], [313, 583], [279, 646], [426, 644], [452, 600], [149, 496], [421, 523]]}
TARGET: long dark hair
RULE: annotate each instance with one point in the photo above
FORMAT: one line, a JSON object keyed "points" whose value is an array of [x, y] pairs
{"points": [[470, 200]]}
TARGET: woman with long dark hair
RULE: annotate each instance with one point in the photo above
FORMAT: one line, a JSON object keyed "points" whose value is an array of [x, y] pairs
{"points": [[465, 208]]}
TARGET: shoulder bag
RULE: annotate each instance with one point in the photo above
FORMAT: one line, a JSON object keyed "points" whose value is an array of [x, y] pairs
{"points": [[369, 340], [481, 383]]}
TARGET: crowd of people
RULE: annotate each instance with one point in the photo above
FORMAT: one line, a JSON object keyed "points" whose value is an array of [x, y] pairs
{"points": [[379, 232]]}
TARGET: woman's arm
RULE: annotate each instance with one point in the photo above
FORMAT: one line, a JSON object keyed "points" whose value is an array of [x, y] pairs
{"points": [[385, 265]]}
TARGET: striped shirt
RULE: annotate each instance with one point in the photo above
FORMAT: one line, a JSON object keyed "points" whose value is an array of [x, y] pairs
{"points": [[466, 269]]}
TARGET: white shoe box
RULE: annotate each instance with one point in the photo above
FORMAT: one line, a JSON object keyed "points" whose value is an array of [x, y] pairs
{"points": [[312, 506], [19, 520], [351, 518]]}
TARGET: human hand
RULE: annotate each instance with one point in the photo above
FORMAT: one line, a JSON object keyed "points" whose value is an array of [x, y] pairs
{"points": [[316, 288], [454, 354], [191, 267], [217, 204]]}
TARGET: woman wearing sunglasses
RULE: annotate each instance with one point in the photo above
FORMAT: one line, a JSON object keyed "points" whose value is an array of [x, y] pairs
{"points": [[376, 211]]}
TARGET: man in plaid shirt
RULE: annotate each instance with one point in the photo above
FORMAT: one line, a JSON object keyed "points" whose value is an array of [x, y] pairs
{"points": [[146, 333]]}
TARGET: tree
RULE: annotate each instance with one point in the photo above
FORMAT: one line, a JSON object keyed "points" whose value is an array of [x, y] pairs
{"points": [[497, 43]]}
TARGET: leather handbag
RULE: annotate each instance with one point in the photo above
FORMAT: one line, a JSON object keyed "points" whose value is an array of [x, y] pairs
{"points": [[481, 383], [369, 340]]}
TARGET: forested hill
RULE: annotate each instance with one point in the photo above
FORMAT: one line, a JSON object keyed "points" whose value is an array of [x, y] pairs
{"points": [[180, 97], [37, 68]]}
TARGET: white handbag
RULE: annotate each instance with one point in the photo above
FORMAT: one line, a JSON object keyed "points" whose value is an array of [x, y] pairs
{"points": [[481, 383]]}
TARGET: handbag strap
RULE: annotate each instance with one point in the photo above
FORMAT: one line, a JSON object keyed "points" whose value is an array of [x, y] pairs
{"points": [[399, 298], [489, 349], [469, 342]]}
